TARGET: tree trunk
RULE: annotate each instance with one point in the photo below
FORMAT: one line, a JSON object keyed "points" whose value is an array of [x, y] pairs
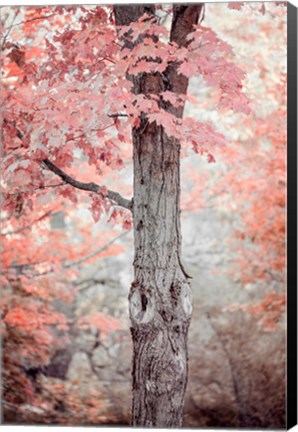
{"points": [[160, 296]]}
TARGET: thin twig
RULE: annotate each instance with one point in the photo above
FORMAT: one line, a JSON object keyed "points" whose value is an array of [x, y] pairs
{"points": [[33, 19], [117, 115], [8, 31], [27, 226], [98, 251]]}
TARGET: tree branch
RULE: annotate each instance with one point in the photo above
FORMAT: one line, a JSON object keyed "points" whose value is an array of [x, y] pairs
{"points": [[8, 31], [27, 226], [73, 263], [42, 17], [98, 251], [91, 187], [117, 115]]}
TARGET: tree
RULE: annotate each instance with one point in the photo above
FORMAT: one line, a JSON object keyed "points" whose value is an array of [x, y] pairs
{"points": [[108, 77], [252, 167], [35, 283]]}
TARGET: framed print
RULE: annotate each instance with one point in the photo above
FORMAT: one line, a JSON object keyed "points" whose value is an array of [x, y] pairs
{"points": [[149, 215]]}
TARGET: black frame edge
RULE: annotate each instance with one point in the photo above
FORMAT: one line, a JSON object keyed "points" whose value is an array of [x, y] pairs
{"points": [[292, 217]]}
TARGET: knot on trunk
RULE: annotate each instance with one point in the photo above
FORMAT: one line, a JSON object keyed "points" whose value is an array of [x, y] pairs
{"points": [[141, 303]]}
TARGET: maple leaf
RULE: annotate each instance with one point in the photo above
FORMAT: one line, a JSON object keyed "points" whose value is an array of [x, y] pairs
{"points": [[96, 207], [68, 192], [236, 5], [21, 178], [210, 158], [175, 99]]}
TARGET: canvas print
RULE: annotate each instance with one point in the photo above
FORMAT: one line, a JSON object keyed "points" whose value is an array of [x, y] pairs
{"points": [[143, 222]]}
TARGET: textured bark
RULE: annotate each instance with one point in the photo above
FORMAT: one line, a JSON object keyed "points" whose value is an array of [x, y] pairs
{"points": [[160, 296]]}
